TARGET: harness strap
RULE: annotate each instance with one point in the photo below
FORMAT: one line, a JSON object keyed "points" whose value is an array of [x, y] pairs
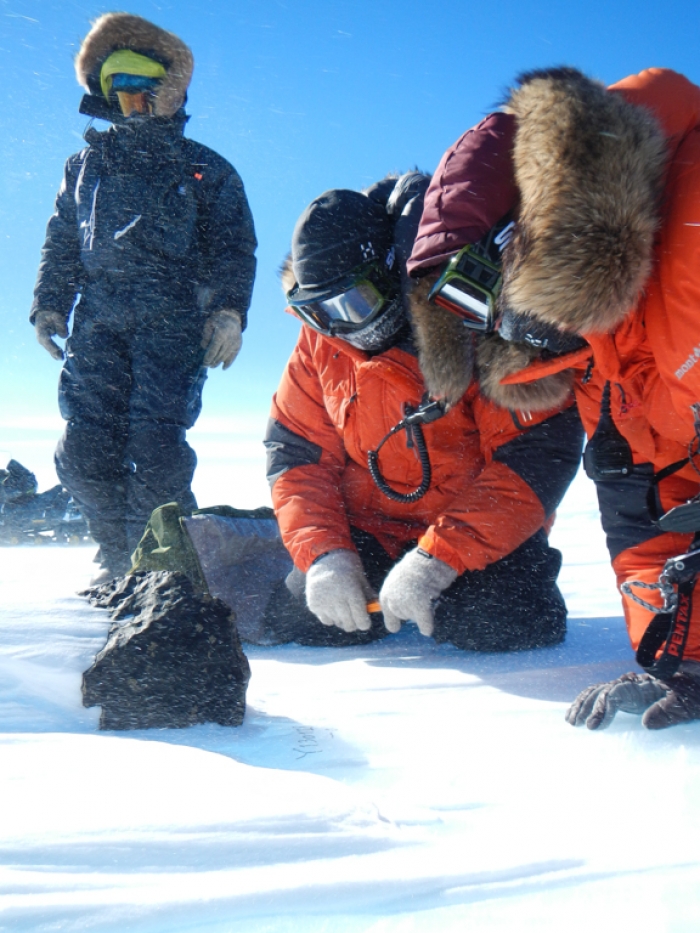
{"points": [[653, 503], [670, 630]]}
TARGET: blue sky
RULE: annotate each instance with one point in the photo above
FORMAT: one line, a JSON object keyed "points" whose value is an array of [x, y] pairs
{"points": [[301, 96]]}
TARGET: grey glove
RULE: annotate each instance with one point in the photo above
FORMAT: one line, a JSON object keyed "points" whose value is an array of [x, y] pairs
{"points": [[221, 338], [663, 702], [48, 324], [410, 589], [337, 591]]}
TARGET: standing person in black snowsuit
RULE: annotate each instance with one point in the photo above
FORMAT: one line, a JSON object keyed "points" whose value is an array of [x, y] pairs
{"points": [[151, 247]]}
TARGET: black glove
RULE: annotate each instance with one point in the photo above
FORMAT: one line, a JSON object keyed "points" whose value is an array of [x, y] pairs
{"points": [[664, 703]]}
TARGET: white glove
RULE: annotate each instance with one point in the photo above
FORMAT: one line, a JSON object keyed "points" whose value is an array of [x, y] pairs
{"points": [[410, 589], [337, 591], [48, 324], [221, 338]]}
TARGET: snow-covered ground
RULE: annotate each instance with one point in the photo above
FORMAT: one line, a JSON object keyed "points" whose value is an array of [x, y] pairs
{"points": [[400, 788]]}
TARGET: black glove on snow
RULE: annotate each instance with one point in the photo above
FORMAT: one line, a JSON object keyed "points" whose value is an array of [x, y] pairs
{"points": [[663, 703]]}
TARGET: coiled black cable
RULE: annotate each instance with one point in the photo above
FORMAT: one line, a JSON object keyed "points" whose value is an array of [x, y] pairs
{"points": [[426, 412]]}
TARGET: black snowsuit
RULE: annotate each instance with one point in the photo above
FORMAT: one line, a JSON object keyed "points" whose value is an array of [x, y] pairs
{"points": [[152, 233]]}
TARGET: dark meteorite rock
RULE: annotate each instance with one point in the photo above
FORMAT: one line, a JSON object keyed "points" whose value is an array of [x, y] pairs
{"points": [[177, 662]]}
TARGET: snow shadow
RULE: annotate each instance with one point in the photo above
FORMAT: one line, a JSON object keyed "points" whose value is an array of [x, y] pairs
{"points": [[595, 649], [269, 741], [322, 904], [38, 697]]}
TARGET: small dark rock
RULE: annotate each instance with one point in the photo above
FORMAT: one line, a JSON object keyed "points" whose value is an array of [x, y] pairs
{"points": [[176, 662]]}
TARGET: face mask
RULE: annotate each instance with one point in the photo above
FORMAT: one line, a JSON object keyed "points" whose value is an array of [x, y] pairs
{"points": [[380, 333], [131, 102]]}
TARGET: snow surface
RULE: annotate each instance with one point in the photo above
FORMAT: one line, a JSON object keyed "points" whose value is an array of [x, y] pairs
{"points": [[400, 788]]}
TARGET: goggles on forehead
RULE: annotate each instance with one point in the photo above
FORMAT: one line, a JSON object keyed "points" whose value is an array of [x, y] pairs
{"points": [[348, 305], [472, 279]]}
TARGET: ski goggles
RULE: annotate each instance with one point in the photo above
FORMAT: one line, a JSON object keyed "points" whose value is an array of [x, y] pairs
{"points": [[469, 287], [346, 306], [124, 67], [136, 94]]}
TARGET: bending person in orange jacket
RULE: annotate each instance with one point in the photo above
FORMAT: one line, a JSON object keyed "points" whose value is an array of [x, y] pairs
{"points": [[447, 524], [606, 194]]}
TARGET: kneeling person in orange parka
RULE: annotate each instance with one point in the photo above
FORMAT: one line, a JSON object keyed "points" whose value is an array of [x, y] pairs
{"points": [[438, 507]]}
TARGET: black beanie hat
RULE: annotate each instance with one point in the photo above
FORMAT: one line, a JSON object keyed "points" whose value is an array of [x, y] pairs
{"points": [[338, 232]]}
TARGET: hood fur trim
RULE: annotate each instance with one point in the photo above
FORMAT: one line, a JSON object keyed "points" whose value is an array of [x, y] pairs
{"points": [[445, 345], [286, 274], [114, 31], [497, 358], [589, 168]]}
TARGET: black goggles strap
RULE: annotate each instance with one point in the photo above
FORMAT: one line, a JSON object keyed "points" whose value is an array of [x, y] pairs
{"points": [[523, 328]]}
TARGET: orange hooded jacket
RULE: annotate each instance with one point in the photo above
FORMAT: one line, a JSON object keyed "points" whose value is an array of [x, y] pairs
{"points": [[652, 358], [496, 477]]}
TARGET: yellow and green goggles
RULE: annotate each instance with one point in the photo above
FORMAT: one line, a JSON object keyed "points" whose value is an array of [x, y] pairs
{"points": [[144, 71]]}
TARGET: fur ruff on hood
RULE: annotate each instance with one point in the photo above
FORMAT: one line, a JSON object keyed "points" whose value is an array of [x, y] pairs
{"points": [[286, 274], [446, 347], [114, 31], [589, 168]]}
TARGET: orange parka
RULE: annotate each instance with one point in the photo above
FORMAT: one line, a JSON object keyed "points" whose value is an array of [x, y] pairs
{"points": [[652, 362], [497, 476]]}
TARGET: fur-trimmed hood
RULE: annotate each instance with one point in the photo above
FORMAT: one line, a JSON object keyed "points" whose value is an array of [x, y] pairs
{"points": [[451, 356], [114, 31], [589, 169]]}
